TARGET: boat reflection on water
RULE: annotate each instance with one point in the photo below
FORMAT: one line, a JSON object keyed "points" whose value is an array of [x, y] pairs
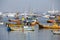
{"points": [[43, 34]]}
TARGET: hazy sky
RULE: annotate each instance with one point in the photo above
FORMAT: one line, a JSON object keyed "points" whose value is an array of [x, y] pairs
{"points": [[23, 5]]}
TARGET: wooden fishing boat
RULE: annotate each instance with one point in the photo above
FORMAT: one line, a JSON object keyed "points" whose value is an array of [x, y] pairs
{"points": [[15, 27]]}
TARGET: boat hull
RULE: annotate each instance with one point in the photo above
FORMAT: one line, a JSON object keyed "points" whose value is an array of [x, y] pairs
{"points": [[15, 27]]}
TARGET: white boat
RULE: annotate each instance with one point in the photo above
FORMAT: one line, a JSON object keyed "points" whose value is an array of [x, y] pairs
{"points": [[1, 23], [29, 28], [56, 32]]}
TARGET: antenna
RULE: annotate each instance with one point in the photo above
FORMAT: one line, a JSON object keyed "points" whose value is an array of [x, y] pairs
{"points": [[53, 9]]}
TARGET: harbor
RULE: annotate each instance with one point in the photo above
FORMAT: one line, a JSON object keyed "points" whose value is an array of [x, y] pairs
{"points": [[42, 34], [29, 19]]}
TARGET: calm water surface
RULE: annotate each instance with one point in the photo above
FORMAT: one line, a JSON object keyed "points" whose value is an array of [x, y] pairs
{"points": [[42, 34]]}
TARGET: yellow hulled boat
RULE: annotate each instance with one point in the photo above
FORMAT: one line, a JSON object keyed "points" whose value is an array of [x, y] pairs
{"points": [[54, 26], [16, 27]]}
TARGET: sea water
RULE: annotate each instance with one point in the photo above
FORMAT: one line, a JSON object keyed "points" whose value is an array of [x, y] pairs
{"points": [[42, 34]]}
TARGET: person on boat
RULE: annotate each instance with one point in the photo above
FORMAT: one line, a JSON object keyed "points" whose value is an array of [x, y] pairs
{"points": [[28, 21], [17, 16], [23, 19]]}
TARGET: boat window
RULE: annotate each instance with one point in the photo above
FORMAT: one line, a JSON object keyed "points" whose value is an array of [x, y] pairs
{"points": [[29, 18]]}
